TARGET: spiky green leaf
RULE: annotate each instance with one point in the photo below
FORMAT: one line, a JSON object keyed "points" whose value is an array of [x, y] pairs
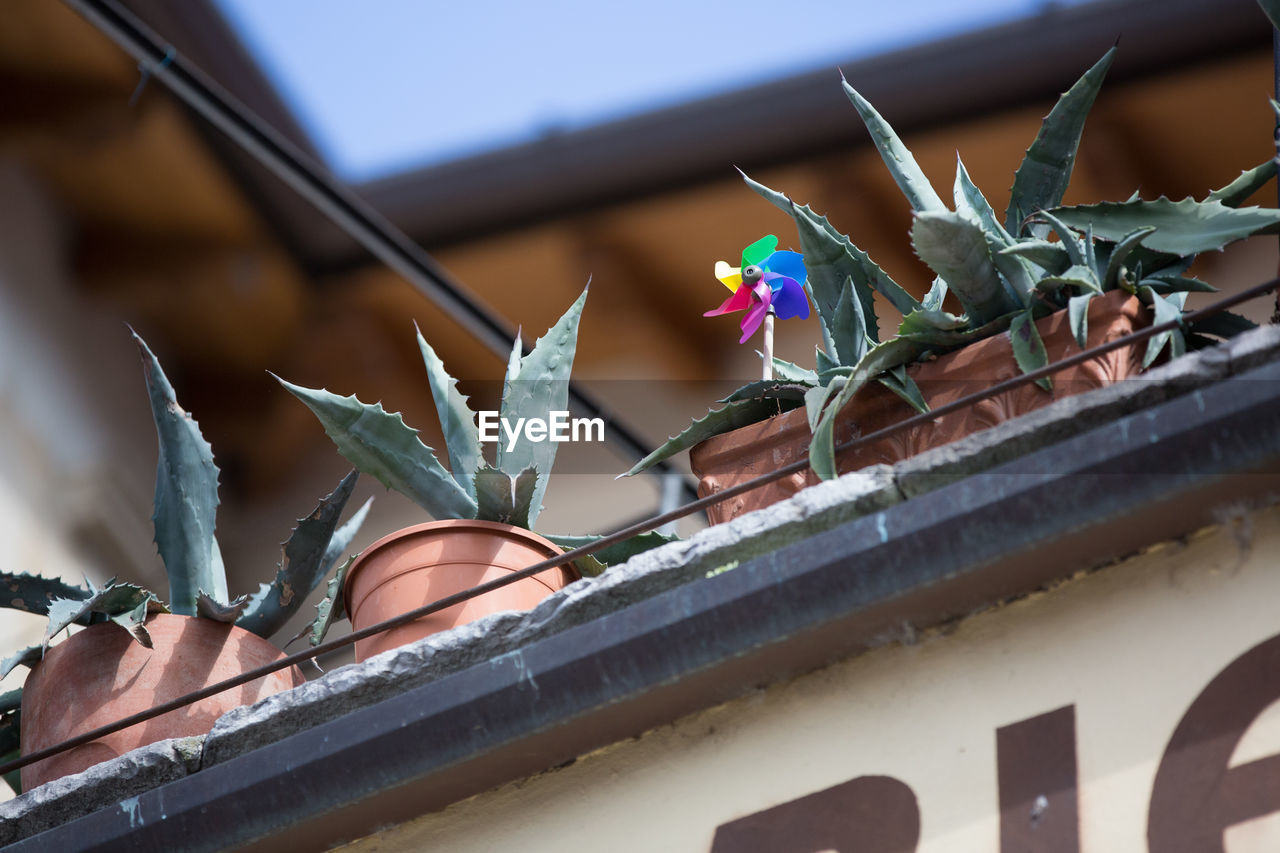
{"points": [[1051, 257], [898, 381], [1224, 325], [1078, 317], [32, 593], [312, 549], [1249, 182], [1183, 228], [973, 205], [936, 296], [1028, 348], [30, 656], [831, 260], [1046, 169], [781, 389], [331, 608], [1120, 255], [902, 164], [1069, 242], [542, 388], [1079, 278], [457, 421], [956, 249], [617, 553], [787, 371], [1177, 284], [1167, 308], [186, 500], [111, 600], [379, 444], [717, 421], [503, 498], [891, 353]]}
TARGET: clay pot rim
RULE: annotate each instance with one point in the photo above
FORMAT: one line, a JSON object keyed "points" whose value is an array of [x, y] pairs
{"points": [[497, 528]]}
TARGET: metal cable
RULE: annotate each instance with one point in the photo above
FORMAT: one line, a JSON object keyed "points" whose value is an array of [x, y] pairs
{"points": [[348, 211], [644, 526]]}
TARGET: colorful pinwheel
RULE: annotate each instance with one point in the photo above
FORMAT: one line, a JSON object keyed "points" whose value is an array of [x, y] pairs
{"points": [[768, 282]]}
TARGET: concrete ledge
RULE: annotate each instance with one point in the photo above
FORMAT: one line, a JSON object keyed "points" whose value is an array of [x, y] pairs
{"points": [[115, 782]]}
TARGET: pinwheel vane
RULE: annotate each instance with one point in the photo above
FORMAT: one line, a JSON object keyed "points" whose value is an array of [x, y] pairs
{"points": [[769, 283]]}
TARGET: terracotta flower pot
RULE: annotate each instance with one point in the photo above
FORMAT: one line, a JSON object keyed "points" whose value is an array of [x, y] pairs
{"points": [[743, 454], [101, 675], [427, 562]]}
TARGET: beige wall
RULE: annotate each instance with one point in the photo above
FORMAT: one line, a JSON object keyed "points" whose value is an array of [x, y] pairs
{"points": [[1129, 648]]}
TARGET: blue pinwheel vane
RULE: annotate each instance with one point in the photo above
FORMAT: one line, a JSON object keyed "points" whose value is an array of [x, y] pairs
{"points": [[769, 283]]}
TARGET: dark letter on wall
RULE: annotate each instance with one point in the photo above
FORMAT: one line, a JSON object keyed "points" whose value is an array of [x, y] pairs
{"points": [[870, 814], [1195, 797], [1036, 767]]}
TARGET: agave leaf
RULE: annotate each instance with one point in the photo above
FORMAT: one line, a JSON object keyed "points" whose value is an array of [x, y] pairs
{"points": [[1224, 325], [1126, 247], [30, 656], [1183, 228], [941, 338], [936, 296], [111, 600], [1081, 277], [1052, 257], [902, 165], [816, 399], [313, 547], [891, 353], [789, 372], [1067, 239], [717, 421], [186, 500], [1249, 182], [1177, 284], [457, 421], [513, 364], [1028, 349], [1046, 169], [134, 621], [781, 389], [503, 499], [824, 362], [822, 245], [850, 338], [924, 320], [542, 388], [331, 608], [900, 382], [32, 593], [382, 446], [1078, 317], [973, 205], [1166, 308], [956, 249], [208, 607], [619, 552], [831, 261]]}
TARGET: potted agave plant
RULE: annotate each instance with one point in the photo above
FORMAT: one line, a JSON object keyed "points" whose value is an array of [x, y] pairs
{"points": [[1026, 299], [484, 512], [136, 652]]}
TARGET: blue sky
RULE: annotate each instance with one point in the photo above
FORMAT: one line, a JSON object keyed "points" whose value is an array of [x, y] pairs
{"points": [[386, 85]]}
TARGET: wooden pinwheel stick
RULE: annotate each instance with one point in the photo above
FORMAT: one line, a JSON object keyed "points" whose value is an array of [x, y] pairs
{"points": [[767, 372]]}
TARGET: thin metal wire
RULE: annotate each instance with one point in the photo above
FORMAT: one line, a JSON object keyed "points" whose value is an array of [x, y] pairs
{"points": [[643, 526], [160, 61]]}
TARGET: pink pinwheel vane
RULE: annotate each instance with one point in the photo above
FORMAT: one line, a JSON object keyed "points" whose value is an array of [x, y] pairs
{"points": [[769, 282]]}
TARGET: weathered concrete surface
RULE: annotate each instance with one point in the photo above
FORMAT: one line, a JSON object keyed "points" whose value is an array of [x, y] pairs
{"points": [[343, 690], [110, 783], [814, 510]]}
